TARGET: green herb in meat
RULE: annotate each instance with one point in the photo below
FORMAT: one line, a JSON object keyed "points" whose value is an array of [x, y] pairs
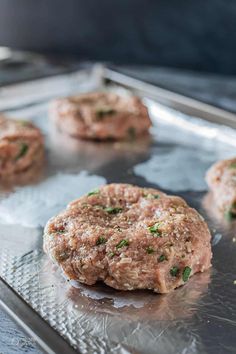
{"points": [[174, 271], [154, 229], [23, 150], [131, 132], [101, 240], [122, 243], [94, 192], [111, 210], [101, 112], [111, 254], [150, 250], [162, 258], [151, 196], [231, 213], [232, 165], [24, 123], [186, 273]]}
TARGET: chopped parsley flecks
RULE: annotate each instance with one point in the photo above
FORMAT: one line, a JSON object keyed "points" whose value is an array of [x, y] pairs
{"points": [[24, 123], [230, 214], [94, 192], [101, 112], [154, 229], [151, 196], [97, 206], [111, 210], [131, 132], [101, 240], [122, 243], [110, 137], [174, 271], [58, 231], [186, 273], [174, 207], [232, 165], [150, 250], [111, 254], [61, 231], [63, 256], [162, 258], [23, 150], [233, 206]]}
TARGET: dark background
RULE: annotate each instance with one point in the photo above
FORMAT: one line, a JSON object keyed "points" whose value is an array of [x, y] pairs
{"points": [[190, 34]]}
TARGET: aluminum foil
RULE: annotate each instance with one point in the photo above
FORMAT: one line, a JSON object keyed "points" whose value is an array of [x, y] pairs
{"points": [[199, 317]]}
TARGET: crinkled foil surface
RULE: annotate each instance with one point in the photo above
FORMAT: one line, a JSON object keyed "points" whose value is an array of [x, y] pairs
{"points": [[199, 317]]}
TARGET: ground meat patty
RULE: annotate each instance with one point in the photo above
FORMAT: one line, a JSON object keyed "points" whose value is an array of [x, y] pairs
{"points": [[130, 238], [100, 116], [21, 145], [221, 179]]}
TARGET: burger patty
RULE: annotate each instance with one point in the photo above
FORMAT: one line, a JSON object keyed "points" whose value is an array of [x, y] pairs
{"points": [[129, 238], [221, 179], [21, 145], [100, 116]]}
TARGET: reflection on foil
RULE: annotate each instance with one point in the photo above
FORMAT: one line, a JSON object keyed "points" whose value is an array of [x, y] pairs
{"points": [[193, 125], [140, 320], [176, 168], [142, 304], [42, 201], [93, 154], [187, 147], [103, 320], [216, 239]]}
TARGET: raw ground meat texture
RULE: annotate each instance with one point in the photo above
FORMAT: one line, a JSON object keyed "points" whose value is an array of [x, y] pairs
{"points": [[221, 179], [129, 238], [100, 116], [21, 146]]}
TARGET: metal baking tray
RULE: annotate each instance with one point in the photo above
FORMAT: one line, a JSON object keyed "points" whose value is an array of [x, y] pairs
{"points": [[186, 138]]}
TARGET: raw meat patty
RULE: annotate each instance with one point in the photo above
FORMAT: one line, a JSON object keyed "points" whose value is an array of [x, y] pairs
{"points": [[21, 145], [129, 238], [100, 116], [221, 179]]}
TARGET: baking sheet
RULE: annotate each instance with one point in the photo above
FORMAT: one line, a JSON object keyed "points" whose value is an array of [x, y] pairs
{"points": [[197, 318]]}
